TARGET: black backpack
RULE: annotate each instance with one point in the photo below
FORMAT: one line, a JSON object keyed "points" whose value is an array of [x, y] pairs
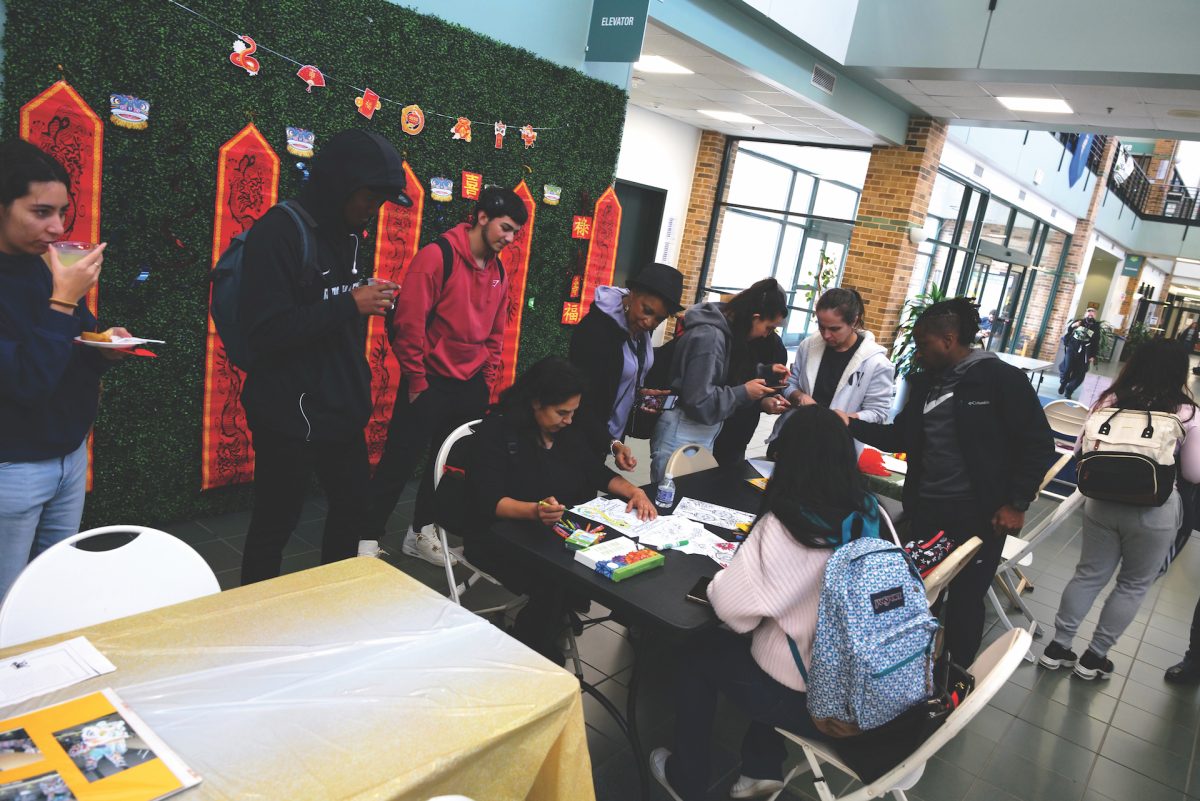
{"points": [[447, 268]]}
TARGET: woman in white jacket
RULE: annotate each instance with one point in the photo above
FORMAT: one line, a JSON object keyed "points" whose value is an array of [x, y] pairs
{"points": [[844, 368], [771, 591]]}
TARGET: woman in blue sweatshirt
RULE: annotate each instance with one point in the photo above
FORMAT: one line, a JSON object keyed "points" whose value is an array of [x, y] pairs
{"points": [[49, 387]]}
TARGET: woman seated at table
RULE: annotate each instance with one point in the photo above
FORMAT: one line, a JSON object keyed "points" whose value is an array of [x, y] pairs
{"points": [[843, 368], [531, 464], [771, 591]]}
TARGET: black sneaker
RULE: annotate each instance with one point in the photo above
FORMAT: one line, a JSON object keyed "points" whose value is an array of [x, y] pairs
{"points": [[1056, 656], [1091, 666], [1186, 672]]}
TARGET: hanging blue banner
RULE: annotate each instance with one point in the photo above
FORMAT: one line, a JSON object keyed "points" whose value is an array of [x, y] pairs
{"points": [[1083, 146]]}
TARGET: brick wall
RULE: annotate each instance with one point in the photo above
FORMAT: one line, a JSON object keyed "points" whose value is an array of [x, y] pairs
{"points": [[1164, 151], [895, 198], [699, 214]]}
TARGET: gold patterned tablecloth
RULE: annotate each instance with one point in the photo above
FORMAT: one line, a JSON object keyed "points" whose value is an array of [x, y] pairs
{"points": [[348, 681]]}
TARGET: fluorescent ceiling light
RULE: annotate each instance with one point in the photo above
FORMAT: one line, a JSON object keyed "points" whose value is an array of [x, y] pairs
{"points": [[730, 116], [1039, 105], [660, 64], [1189, 261]]}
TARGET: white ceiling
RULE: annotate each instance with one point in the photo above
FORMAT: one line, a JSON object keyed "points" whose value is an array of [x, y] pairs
{"points": [[719, 84], [1109, 108]]}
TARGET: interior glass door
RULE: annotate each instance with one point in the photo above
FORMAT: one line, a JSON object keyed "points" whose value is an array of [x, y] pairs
{"points": [[996, 287]]}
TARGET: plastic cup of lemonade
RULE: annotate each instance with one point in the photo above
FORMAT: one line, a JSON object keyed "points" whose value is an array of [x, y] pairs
{"points": [[71, 252]]}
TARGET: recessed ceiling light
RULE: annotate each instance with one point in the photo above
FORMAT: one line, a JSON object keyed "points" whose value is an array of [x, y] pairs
{"points": [[730, 116], [1038, 105], [659, 64]]}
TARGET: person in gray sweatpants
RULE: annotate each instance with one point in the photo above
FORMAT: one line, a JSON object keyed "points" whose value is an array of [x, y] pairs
{"points": [[1134, 539]]}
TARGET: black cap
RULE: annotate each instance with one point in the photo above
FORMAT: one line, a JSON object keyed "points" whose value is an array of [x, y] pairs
{"points": [[664, 281]]}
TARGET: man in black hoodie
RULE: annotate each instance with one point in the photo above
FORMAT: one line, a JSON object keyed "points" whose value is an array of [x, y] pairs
{"points": [[308, 390], [978, 446]]}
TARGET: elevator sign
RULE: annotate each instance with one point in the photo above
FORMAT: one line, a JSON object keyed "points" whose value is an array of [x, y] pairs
{"points": [[1133, 264], [616, 31]]}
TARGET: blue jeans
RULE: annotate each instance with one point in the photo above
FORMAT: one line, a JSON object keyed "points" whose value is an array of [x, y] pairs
{"points": [[673, 430], [41, 503], [716, 663]]}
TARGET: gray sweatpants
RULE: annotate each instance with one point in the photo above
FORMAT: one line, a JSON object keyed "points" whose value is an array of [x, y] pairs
{"points": [[1136, 538]]}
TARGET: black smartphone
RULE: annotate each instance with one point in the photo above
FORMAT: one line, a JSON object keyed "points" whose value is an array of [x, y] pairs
{"points": [[669, 402], [699, 592]]}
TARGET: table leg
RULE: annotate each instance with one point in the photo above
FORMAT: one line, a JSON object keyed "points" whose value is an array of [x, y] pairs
{"points": [[639, 756]]}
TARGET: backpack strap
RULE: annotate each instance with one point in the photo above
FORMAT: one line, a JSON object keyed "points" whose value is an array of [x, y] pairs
{"points": [[796, 656], [305, 223]]}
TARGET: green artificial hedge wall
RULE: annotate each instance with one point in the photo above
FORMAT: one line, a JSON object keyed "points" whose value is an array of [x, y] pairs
{"points": [[159, 183]]}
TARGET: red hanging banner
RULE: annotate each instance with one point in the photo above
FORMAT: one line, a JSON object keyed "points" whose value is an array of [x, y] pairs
{"points": [[516, 265], [397, 240], [247, 185], [61, 124], [602, 250]]}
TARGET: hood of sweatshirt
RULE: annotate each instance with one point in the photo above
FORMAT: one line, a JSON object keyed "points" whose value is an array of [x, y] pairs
{"points": [[707, 314], [460, 243], [349, 161], [608, 299]]}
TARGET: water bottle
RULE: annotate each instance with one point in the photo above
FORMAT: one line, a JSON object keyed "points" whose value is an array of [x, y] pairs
{"points": [[665, 497]]}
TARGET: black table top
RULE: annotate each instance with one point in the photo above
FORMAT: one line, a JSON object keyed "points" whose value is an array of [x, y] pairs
{"points": [[656, 598]]}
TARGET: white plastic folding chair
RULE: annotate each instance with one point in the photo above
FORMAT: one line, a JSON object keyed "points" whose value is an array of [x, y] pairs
{"points": [[940, 577], [1066, 418], [68, 588], [991, 670], [689, 459], [439, 468]]}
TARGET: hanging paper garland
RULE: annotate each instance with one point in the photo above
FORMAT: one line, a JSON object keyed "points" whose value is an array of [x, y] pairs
{"points": [[243, 55], [461, 129], [61, 124], [300, 142], [528, 136], [247, 185], [128, 111], [602, 252], [516, 265], [367, 104], [472, 182], [412, 119], [501, 129], [397, 240], [311, 76]]}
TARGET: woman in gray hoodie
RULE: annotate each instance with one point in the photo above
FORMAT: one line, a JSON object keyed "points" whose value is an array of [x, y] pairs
{"points": [[711, 369]]}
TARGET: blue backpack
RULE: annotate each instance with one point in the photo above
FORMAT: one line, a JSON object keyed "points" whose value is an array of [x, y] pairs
{"points": [[873, 653], [226, 279]]}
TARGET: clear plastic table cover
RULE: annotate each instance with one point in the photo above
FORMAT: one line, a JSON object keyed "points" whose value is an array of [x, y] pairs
{"points": [[348, 681]]}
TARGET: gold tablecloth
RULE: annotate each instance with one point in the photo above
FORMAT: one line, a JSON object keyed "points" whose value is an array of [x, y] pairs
{"points": [[348, 681]]}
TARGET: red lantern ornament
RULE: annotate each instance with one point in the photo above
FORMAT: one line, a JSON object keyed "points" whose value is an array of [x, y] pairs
{"points": [[367, 104], [501, 129], [243, 54]]}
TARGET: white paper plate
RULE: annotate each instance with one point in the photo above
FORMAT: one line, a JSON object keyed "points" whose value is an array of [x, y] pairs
{"points": [[119, 342]]}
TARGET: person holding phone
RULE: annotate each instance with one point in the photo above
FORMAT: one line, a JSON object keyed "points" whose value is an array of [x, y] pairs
{"points": [[770, 592], [612, 346], [713, 371], [844, 368], [531, 463]]}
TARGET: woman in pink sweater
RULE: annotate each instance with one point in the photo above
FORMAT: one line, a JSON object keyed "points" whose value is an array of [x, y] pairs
{"points": [[771, 590]]}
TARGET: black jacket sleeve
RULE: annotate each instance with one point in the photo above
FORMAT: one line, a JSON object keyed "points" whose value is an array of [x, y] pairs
{"points": [[273, 317], [1028, 431], [487, 474], [893, 437], [589, 353]]}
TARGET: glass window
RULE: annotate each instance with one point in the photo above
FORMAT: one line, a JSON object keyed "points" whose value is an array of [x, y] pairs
{"points": [[995, 221], [836, 201], [1023, 233], [802, 195], [746, 250], [756, 182]]}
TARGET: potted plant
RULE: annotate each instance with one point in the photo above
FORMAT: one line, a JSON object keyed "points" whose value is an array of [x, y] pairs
{"points": [[1138, 334], [904, 347]]}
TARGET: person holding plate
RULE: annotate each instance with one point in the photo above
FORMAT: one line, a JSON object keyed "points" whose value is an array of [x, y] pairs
{"points": [[49, 385]]}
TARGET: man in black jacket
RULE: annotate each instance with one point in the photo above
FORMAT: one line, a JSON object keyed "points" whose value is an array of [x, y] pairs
{"points": [[978, 446], [1082, 343], [307, 393]]}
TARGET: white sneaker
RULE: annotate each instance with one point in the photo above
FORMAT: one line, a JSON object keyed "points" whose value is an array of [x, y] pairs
{"points": [[658, 769], [425, 544], [745, 787]]}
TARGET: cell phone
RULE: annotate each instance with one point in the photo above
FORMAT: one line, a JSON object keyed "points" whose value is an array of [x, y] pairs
{"points": [[669, 402], [699, 592]]}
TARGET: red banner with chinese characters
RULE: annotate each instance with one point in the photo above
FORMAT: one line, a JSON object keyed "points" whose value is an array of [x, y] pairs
{"points": [[247, 185], [602, 251], [61, 124], [397, 240], [516, 267]]}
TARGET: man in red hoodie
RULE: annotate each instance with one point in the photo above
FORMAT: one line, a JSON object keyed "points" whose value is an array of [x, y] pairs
{"points": [[447, 335]]}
